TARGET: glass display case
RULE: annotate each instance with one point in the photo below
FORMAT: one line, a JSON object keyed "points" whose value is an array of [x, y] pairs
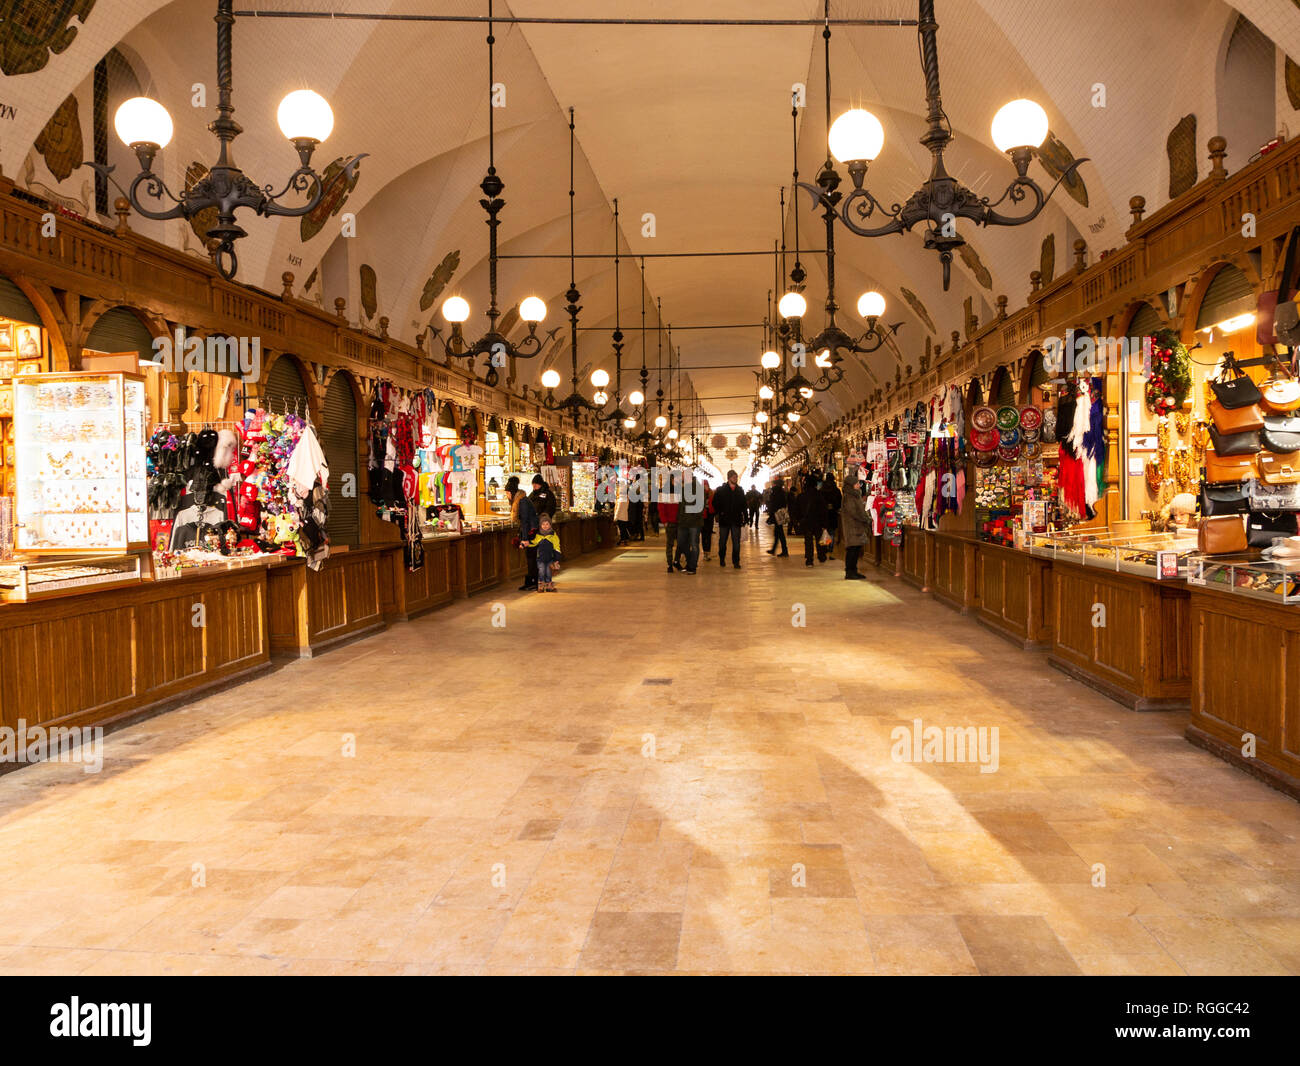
{"points": [[80, 463], [584, 488], [21, 582], [1273, 581], [1155, 555]]}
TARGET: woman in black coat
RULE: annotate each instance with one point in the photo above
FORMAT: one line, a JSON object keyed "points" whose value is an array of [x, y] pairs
{"points": [[813, 514]]}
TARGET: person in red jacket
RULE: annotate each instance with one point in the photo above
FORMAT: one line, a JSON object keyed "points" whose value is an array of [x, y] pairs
{"points": [[668, 516]]}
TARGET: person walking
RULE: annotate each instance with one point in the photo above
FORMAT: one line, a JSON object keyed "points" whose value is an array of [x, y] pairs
{"points": [[754, 501], [732, 511], [667, 509], [706, 530], [523, 512], [812, 520], [690, 521], [857, 524], [834, 501], [620, 516], [778, 508]]}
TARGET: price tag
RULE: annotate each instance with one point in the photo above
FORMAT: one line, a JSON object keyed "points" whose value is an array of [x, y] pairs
{"points": [[1196, 572], [1166, 565]]}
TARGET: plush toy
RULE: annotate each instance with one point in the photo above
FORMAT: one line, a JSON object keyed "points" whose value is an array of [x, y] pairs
{"points": [[283, 530]]}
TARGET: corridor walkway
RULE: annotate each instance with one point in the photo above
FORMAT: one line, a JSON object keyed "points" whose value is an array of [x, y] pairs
{"points": [[653, 773]]}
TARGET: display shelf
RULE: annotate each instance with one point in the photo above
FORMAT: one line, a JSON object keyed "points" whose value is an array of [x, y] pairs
{"points": [[1127, 554], [81, 483], [1273, 582]]}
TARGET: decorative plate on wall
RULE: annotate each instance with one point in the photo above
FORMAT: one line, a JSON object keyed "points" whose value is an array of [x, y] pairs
{"points": [[718, 440], [984, 418]]}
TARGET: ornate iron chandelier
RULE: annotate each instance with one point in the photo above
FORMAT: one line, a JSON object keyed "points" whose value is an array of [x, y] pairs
{"points": [[498, 348], [575, 402], [857, 137], [146, 128], [618, 417]]}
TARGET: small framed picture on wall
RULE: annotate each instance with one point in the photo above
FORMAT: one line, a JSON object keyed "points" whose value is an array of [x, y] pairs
{"points": [[6, 337], [6, 368]]}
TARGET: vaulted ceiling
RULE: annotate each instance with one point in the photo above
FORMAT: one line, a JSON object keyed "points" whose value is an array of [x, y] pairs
{"points": [[690, 125]]}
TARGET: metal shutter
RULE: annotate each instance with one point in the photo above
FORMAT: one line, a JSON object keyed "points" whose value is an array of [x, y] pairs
{"points": [[119, 331], [338, 440], [1006, 389], [284, 389], [1229, 295], [14, 304], [1146, 323]]}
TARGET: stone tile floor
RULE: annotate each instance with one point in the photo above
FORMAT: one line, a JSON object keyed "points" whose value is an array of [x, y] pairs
{"points": [[457, 797]]}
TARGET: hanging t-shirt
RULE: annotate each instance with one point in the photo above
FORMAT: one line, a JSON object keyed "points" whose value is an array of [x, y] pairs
{"points": [[464, 458]]}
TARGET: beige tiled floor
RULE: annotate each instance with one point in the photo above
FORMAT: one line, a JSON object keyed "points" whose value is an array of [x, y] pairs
{"points": [[521, 801]]}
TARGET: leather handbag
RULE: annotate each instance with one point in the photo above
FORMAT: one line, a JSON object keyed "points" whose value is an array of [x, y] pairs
{"points": [[1274, 438], [1278, 469], [1263, 497], [1233, 388], [1247, 443], [1263, 529], [1235, 419], [1221, 535], [1225, 499], [1227, 469], [1282, 391], [1266, 308]]}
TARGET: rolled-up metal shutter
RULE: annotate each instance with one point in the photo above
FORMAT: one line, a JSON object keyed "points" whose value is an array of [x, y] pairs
{"points": [[1146, 323], [119, 331], [338, 440], [284, 389], [1229, 295], [14, 304]]}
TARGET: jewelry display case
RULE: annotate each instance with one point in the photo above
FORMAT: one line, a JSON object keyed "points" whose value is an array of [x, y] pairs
{"points": [[22, 582], [1272, 581], [1127, 554], [81, 481]]}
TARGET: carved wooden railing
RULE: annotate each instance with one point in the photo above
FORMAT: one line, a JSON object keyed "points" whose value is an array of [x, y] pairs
{"points": [[121, 267]]}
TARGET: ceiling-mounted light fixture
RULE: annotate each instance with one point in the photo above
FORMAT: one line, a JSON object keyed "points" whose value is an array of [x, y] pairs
{"points": [[857, 137], [146, 128], [575, 402], [495, 346]]}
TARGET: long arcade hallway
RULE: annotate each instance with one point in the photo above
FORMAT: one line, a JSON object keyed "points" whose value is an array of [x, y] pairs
{"points": [[654, 773]]}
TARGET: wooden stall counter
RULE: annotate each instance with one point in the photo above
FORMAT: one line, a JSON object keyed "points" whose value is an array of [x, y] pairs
{"points": [[1245, 684], [104, 656], [1013, 594], [1123, 634]]}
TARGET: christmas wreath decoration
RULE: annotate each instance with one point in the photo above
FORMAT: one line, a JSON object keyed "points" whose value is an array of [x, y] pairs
{"points": [[1170, 379]]}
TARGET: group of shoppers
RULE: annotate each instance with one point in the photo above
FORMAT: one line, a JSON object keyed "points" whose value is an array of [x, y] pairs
{"points": [[819, 510], [529, 510], [688, 522]]}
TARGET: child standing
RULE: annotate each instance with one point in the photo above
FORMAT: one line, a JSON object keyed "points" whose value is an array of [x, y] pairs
{"points": [[547, 543]]}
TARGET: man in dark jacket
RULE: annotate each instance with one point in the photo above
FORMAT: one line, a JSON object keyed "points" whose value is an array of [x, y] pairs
{"points": [[543, 499], [754, 501], [777, 501], [834, 501], [812, 520], [733, 512], [526, 515]]}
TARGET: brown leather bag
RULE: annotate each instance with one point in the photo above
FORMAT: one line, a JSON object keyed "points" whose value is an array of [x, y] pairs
{"points": [[1235, 419], [1222, 535], [1223, 469], [1279, 469]]}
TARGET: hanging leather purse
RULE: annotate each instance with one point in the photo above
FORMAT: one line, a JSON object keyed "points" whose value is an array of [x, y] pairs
{"points": [[1279, 469], [1229, 469], [1263, 497], [1221, 535], [1281, 391], [1268, 329], [1247, 443], [1263, 529], [1233, 388], [1274, 437], [1225, 499], [1235, 419]]}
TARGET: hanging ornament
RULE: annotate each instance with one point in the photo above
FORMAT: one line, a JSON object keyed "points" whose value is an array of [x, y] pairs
{"points": [[1170, 377]]}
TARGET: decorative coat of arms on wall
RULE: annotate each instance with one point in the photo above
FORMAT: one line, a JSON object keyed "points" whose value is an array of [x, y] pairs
{"points": [[914, 302], [369, 284], [718, 440], [439, 279], [60, 143], [976, 265], [31, 32], [1056, 160], [1047, 259], [1181, 147], [337, 190]]}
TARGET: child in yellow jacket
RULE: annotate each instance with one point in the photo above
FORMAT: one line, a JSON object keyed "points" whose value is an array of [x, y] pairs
{"points": [[547, 542]]}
